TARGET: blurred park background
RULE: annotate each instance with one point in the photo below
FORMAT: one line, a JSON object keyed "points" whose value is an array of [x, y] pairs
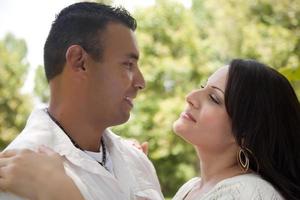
{"points": [[180, 46]]}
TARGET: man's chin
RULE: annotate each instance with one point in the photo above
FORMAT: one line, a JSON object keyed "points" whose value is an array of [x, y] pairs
{"points": [[121, 120]]}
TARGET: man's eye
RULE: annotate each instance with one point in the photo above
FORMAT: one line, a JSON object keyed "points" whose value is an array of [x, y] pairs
{"points": [[128, 65]]}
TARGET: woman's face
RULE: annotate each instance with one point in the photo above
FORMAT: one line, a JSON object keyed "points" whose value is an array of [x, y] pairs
{"points": [[205, 122]]}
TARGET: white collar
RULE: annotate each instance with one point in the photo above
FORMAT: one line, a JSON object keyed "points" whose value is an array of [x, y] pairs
{"points": [[98, 157]]}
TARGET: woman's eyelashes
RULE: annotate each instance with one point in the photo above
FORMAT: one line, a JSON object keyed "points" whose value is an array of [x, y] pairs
{"points": [[212, 97]]}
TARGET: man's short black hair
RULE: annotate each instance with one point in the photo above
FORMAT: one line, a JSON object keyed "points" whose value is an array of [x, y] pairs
{"points": [[80, 24]]}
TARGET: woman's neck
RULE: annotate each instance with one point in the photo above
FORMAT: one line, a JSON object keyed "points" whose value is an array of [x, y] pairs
{"points": [[215, 167]]}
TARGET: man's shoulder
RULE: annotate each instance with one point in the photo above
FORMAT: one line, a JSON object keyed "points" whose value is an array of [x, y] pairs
{"points": [[138, 164], [37, 131], [125, 146], [133, 156]]}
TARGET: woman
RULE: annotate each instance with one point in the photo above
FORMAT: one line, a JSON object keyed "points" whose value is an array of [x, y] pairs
{"points": [[244, 124]]}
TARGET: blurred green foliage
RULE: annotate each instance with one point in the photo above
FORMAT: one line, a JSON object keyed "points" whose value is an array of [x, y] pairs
{"points": [[41, 88], [14, 106], [180, 47]]}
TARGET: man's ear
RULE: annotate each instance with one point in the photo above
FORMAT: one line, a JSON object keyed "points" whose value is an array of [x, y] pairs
{"points": [[75, 57]]}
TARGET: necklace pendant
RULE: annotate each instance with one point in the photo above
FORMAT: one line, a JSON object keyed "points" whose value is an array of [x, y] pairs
{"points": [[103, 165]]}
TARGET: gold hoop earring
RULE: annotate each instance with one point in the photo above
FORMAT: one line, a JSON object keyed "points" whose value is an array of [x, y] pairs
{"points": [[243, 159]]}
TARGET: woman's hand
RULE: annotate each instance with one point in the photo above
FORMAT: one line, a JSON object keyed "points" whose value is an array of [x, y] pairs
{"points": [[143, 147], [36, 175]]}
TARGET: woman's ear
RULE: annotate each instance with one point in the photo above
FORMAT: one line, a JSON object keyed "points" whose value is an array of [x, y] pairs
{"points": [[75, 57], [242, 142]]}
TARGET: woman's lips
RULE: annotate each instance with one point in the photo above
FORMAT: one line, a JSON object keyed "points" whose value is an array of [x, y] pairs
{"points": [[188, 116]]}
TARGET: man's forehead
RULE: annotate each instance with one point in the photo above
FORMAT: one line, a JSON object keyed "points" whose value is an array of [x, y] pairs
{"points": [[120, 40]]}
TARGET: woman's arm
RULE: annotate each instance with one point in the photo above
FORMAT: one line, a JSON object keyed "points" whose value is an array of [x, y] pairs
{"points": [[40, 175], [36, 175]]}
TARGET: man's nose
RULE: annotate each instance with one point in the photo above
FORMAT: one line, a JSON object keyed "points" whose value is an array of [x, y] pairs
{"points": [[139, 81]]}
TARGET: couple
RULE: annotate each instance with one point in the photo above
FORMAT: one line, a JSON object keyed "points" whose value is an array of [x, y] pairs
{"points": [[244, 123]]}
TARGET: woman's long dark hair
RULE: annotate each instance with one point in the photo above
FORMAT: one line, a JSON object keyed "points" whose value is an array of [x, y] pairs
{"points": [[265, 114]]}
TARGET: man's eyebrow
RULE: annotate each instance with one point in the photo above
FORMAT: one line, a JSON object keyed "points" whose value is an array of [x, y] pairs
{"points": [[214, 87], [133, 56]]}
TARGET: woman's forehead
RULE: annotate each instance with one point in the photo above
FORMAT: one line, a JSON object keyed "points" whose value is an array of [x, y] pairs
{"points": [[219, 76]]}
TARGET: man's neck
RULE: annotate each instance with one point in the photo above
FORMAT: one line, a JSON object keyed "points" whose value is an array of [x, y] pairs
{"points": [[77, 127]]}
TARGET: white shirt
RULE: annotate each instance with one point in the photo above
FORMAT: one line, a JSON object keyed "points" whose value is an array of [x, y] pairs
{"points": [[98, 157], [242, 187], [134, 175]]}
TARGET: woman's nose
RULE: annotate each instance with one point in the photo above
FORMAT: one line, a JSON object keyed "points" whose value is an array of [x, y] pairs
{"points": [[193, 99]]}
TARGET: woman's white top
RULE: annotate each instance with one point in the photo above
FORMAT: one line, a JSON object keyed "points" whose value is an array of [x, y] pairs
{"points": [[242, 187]]}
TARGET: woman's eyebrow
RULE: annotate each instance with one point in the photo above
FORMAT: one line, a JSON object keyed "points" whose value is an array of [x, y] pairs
{"points": [[214, 87]]}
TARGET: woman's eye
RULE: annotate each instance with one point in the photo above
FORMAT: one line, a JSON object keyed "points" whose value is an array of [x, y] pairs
{"points": [[214, 99]]}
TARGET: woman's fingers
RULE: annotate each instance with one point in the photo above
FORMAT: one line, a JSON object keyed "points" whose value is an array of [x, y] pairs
{"points": [[9, 153], [13, 152], [12, 156], [51, 153], [3, 181], [145, 147], [5, 161], [46, 150], [23, 172]]}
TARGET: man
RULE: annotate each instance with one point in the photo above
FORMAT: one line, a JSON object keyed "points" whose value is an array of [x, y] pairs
{"points": [[91, 63]]}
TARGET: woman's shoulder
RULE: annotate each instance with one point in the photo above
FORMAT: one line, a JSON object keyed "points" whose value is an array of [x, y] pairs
{"points": [[185, 188], [190, 183], [246, 186]]}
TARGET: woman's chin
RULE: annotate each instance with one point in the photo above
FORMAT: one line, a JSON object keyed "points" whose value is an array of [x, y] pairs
{"points": [[182, 130], [178, 127], [175, 127]]}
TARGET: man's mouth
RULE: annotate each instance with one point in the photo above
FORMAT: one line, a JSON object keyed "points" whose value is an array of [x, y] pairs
{"points": [[129, 101]]}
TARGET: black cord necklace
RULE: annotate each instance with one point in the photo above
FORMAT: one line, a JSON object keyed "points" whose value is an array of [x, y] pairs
{"points": [[75, 144]]}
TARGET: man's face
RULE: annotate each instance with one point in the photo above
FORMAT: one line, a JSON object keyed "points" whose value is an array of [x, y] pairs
{"points": [[114, 81]]}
